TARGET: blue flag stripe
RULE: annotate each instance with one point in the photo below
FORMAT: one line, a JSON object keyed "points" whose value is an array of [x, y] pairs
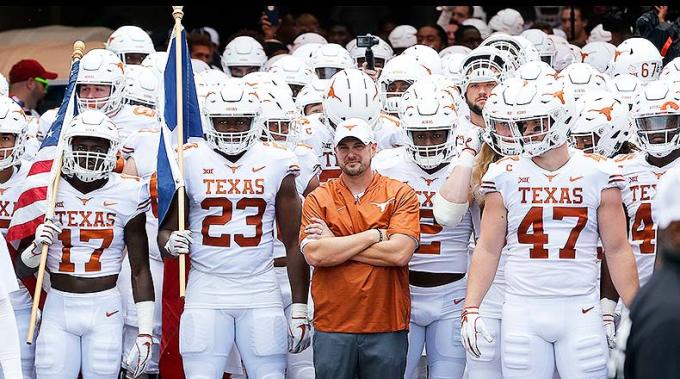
{"points": [[192, 123], [54, 133]]}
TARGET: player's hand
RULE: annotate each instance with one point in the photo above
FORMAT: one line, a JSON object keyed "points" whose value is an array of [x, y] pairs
{"points": [[472, 141], [299, 329], [471, 324], [374, 74], [179, 242], [47, 232], [139, 356], [608, 310], [318, 229]]}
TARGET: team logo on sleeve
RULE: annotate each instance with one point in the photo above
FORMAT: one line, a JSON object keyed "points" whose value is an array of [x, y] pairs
{"points": [[383, 205]]}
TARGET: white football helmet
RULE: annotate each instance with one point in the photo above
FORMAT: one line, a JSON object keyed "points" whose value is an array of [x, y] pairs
{"points": [[603, 124], [89, 166], [425, 108], [209, 81], [307, 38], [452, 65], [102, 67], [329, 59], [311, 94], [579, 78], [142, 87], [599, 55], [537, 114], [627, 87], [261, 79], [278, 117], [506, 42], [305, 52], [496, 111], [545, 46], [4, 86], [529, 52], [293, 71], [455, 49], [156, 61], [45, 123], [352, 94], [401, 68], [236, 101], [564, 57], [382, 50], [639, 57], [486, 64], [598, 34], [198, 66], [670, 68], [130, 39], [508, 21], [12, 121], [403, 37], [243, 51], [656, 112], [536, 70], [426, 56]]}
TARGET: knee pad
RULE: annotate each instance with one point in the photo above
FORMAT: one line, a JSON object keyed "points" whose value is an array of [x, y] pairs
{"points": [[516, 352], [104, 355], [50, 350], [591, 354], [447, 339], [196, 331], [268, 332]]}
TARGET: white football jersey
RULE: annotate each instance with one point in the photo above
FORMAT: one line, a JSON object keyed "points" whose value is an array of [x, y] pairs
{"points": [[131, 118], [552, 228], [319, 136], [9, 194], [232, 206], [309, 168], [442, 249], [638, 193], [92, 241], [142, 145]]}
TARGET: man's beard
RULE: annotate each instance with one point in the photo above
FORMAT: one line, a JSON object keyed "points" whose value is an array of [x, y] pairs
{"points": [[353, 171], [474, 108]]}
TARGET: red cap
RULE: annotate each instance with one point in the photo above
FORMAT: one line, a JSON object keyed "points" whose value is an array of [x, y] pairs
{"points": [[29, 68]]}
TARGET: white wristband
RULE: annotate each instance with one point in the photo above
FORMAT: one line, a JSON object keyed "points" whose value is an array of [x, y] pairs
{"points": [[608, 306], [466, 159], [298, 310], [145, 311]]}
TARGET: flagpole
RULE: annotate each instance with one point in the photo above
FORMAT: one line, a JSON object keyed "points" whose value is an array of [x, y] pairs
{"points": [[178, 14], [78, 51]]}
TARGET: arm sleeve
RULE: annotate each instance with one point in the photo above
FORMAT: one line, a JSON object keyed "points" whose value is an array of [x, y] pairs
{"points": [[406, 217]]}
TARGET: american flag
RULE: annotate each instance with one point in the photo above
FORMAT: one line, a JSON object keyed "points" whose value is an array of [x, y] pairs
{"points": [[33, 202]]}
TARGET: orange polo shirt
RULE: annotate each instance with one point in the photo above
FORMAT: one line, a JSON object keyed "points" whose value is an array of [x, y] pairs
{"points": [[354, 297]]}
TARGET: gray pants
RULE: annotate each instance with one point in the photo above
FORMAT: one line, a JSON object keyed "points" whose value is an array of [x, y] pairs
{"points": [[363, 356]]}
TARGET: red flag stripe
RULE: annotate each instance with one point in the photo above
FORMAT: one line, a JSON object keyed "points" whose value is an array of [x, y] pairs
{"points": [[40, 167], [30, 196], [21, 231]]}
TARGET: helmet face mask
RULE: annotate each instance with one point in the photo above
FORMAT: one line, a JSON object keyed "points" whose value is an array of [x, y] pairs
{"points": [[429, 120], [431, 148], [659, 135], [100, 68], [13, 124], [92, 143], [656, 113], [233, 116]]}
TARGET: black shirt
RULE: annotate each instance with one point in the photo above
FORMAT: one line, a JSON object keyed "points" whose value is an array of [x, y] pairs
{"points": [[653, 347]]}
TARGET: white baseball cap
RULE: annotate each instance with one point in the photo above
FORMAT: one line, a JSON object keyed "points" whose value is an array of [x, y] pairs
{"points": [[666, 203], [354, 127]]}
